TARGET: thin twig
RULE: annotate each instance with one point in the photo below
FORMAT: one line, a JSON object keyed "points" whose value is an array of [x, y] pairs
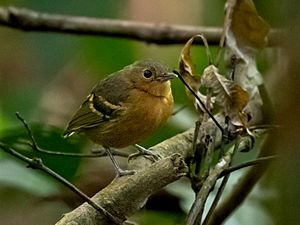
{"points": [[33, 144], [220, 189], [198, 205], [209, 140], [247, 164], [262, 128], [196, 135], [36, 163], [199, 100], [158, 33], [207, 50], [224, 181], [209, 143], [216, 199], [178, 110], [224, 31], [243, 187]]}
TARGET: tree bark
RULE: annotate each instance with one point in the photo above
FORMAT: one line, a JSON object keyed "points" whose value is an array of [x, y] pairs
{"points": [[125, 195], [158, 33]]}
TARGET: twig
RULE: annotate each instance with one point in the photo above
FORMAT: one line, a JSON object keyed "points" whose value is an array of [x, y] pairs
{"points": [[224, 31], [209, 154], [244, 186], [124, 196], [199, 100], [36, 163], [220, 189], [225, 173], [33, 144], [158, 33], [216, 199], [198, 205], [178, 110], [196, 135], [206, 46], [247, 164], [261, 128]]}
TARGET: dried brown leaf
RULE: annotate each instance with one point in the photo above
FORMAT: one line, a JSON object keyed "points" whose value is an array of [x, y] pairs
{"points": [[187, 68], [247, 26], [246, 33], [229, 95]]}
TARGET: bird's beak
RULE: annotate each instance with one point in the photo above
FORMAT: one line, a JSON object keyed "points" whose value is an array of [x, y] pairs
{"points": [[167, 76]]}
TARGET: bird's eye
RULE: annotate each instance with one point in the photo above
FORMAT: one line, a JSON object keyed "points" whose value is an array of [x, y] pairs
{"points": [[147, 73]]}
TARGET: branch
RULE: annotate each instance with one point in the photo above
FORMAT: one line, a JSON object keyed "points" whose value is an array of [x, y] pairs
{"points": [[35, 147], [244, 186], [125, 195], [158, 33], [247, 164], [196, 211], [36, 163]]}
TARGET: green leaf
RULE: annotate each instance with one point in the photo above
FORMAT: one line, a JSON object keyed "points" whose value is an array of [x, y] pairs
{"points": [[49, 138]]}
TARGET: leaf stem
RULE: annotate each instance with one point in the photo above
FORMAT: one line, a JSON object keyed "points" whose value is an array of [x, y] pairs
{"points": [[199, 100]]}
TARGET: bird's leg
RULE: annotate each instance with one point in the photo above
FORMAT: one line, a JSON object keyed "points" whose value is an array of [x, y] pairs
{"points": [[145, 152], [119, 171]]}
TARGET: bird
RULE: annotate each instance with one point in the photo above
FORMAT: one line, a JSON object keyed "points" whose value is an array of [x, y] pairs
{"points": [[125, 108]]}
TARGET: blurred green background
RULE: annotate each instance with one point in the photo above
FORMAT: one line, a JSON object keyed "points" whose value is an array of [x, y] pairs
{"points": [[45, 77]]}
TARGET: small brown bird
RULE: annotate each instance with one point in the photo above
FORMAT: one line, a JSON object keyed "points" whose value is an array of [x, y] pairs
{"points": [[126, 107]]}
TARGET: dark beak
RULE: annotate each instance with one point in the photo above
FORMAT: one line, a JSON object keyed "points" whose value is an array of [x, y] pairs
{"points": [[167, 76]]}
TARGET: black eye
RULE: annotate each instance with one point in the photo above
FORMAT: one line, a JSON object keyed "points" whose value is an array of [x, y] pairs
{"points": [[147, 73]]}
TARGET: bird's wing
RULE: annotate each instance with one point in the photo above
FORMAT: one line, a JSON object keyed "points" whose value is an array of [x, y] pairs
{"points": [[95, 111]]}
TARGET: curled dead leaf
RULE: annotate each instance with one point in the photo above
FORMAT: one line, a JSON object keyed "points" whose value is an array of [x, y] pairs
{"points": [[229, 95], [187, 69], [246, 32], [247, 26]]}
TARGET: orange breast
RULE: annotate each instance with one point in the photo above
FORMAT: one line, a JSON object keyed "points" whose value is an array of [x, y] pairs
{"points": [[143, 116]]}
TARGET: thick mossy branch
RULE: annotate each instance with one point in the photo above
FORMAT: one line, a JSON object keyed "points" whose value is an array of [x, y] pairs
{"points": [[180, 144], [125, 195]]}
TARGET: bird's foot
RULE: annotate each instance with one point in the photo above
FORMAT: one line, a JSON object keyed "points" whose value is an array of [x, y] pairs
{"points": [[145, 152], [120, 172]]}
